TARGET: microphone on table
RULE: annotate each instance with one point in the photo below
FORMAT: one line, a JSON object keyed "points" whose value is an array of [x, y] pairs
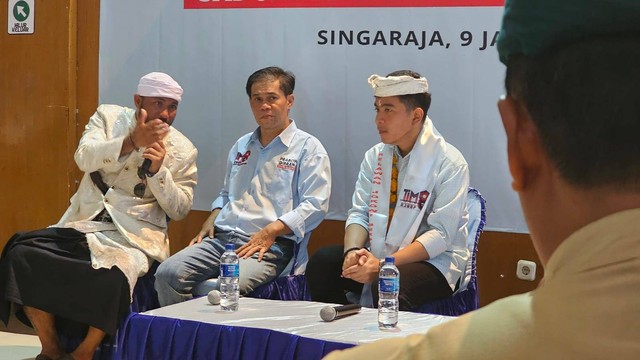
{"points": [[330, 313], [214, 297]]}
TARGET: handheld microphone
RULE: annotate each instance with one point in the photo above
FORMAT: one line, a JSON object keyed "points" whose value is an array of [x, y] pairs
{"points": [[143, 170], [330, 313], [214, 297]]}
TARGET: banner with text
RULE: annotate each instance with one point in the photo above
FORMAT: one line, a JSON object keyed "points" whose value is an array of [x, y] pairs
{"points": [[332, 47], [255, 4]]}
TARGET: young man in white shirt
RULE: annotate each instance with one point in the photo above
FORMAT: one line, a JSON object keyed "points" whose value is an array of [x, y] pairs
{"points": [[409, 202]]}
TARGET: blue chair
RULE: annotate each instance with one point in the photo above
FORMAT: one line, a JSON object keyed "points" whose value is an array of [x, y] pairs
{"points": [[465, 298]]}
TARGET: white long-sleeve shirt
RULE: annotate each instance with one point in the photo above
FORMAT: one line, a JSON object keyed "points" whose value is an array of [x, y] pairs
{"points": [[442, 231]]}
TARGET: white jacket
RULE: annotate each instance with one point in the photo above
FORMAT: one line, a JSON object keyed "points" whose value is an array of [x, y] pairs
{"points": [[143, 221]]}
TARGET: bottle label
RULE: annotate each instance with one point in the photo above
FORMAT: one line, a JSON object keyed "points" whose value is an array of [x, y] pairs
{"points": [[389, 284], [230, 270]]}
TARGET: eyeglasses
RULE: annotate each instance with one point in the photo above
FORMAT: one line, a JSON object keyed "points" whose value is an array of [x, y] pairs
{"points": [[140, 188]]}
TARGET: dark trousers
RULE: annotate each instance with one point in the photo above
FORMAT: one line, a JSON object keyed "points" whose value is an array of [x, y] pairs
{"points": [[50, 269], [419, 282]]}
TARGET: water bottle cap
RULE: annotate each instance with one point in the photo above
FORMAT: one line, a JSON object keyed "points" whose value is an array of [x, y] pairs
{"points": [[389, 260], [229, 246]]}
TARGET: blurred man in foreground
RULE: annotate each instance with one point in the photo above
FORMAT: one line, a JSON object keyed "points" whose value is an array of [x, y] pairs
{"points": [[572, 116]]}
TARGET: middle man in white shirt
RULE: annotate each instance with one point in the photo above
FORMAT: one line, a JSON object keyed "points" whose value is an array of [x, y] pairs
{"points": [[276, 190]]}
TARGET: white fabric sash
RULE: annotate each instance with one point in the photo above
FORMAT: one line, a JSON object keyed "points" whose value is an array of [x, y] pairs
{"points": [[413, 196]]}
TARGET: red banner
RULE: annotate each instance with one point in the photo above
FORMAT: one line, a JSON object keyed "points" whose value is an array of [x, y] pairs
{"points": [[257, 4]]}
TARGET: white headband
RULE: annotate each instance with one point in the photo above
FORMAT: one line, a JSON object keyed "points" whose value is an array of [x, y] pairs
{"points": [[157, 84], [397, 85]]}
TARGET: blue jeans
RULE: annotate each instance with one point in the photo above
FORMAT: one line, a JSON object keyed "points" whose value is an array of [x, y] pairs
{"points": [[176, 276]]}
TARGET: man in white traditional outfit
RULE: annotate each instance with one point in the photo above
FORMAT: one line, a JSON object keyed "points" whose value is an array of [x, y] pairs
{"points": [[139, 171], [571, 115], [409, 203]]}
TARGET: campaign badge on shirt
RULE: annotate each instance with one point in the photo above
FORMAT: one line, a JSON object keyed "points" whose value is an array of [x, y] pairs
{"points": [[412, 200], [287, 164]]}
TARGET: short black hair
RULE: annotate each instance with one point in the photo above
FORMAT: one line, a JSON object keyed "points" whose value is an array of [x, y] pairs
{"points": [[287, 79], [583, 98], [412, 101]]}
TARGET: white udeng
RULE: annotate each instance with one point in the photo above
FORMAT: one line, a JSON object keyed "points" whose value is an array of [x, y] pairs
{"points": [[397, 85]]}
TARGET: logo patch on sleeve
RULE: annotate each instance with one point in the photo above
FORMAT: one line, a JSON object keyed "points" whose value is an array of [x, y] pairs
{"points": [[241, 159]]}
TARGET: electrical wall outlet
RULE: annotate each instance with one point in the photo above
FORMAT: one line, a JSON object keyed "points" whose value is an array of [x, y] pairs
{"points": [[526, 270]]}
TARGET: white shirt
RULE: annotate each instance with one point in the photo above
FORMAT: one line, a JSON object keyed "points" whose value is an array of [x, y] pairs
{"points": [[443, 228], [289, 179]]}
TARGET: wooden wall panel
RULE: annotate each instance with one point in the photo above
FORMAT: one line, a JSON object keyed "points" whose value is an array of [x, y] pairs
{"points": [[181, 232], [88, 40], [498, 255], [45, 78], [35, 98]]}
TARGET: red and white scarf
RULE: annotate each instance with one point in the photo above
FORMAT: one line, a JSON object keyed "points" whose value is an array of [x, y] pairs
{"points": [[413, 196]]}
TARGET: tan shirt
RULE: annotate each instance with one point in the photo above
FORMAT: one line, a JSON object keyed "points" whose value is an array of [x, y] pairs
{"points": [[588, 307]]}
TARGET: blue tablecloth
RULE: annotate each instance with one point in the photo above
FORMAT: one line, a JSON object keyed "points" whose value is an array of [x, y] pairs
{"points": [[260, 329], [155, 337]]}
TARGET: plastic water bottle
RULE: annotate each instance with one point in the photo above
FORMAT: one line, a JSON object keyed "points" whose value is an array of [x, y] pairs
{"points": [[388, 288], [229, 279]]}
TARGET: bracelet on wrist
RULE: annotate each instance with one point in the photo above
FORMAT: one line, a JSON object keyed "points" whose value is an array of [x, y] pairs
{"points": [[344, 255]]}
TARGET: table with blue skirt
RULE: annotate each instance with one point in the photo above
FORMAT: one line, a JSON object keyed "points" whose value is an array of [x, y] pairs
{"points": [[260, 329]]}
